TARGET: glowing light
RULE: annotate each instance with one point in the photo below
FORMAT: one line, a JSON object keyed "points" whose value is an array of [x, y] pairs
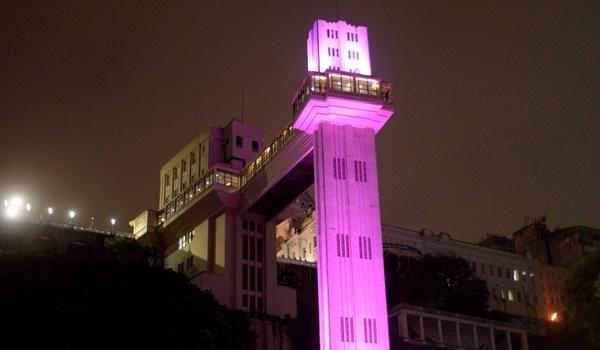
{"points": [[28, 207], [16, 202], [50, 210], [13, 206], [12, 212], [113, 221], [71, 214], [554, 317]]}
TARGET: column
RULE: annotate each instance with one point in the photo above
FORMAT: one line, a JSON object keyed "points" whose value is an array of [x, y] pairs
{"points": [[352, 302], [524, 341], [458, 337], [421, 329], [440, 332], [403, 324]]}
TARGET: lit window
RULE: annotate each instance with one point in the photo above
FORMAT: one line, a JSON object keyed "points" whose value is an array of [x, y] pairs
{"points": [[515, 275], [511, 296]]}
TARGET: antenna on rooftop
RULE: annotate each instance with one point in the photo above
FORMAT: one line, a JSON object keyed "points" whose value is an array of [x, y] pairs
{"points": [[242, 97]]}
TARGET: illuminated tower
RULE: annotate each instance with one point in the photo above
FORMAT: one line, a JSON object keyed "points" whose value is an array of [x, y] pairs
{"points": [[343, 107]]}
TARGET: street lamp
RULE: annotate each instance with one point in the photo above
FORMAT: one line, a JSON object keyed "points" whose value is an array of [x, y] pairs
{"points": [[50, 211], [71, 216], [113, 221]]}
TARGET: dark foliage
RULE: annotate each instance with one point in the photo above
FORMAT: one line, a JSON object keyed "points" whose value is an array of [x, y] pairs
{"points": [[56, 303], [582, 301], [442, 282]]}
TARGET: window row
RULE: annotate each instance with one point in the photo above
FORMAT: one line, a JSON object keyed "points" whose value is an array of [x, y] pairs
{"points": [[364, 245], [347, 329], [360, 171], [253, 226], [239, 143], [352, 37], [343, 245], [189, 263], [339, 168], [370, 330], [333, 52], [500, 272], [254, 303], [553, 300], [333, 34], [353, 55], [185, 239], [252, 248], [252, 278]]}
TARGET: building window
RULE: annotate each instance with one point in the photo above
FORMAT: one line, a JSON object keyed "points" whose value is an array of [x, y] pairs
{"points": [[482, 265], [510, 295], [245, 300], [507, 273], [185, 239], [499, 271], [337, 52], [348, 36], [515, 275], [245, 276], [254, 146], [190, 262], [183, 166], [180, 268], [239, 141]]}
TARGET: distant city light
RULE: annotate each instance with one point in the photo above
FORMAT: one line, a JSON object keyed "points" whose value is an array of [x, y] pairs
{"points": [[13, 206], [28, 207], [50, 210], [113, 221], [554, 317], [71, 214]]}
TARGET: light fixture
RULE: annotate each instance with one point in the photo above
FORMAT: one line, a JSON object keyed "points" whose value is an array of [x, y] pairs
{"points": [[113, 221], [71, 214], [28, 207], [50, 210], [554, 317]]}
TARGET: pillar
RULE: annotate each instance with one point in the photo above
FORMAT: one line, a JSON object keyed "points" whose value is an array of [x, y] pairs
{"points": [[458, 337], [352, 302]]}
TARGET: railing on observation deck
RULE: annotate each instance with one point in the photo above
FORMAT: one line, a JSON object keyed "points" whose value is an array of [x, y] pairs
{"points": [[342, 83], [230, 179]]}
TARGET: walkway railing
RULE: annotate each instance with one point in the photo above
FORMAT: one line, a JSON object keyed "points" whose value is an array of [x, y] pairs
{"points": [[230, 179]]}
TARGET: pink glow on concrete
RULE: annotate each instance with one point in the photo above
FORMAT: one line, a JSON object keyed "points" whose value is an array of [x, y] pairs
{"points": [[356, 112], [338, 46], [352, 302]]}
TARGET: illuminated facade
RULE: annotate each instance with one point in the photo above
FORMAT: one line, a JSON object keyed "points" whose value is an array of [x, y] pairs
{"points": [[220, 206], [352, 302]]}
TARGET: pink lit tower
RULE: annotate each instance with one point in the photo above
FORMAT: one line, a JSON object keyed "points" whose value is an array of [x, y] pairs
{"points": [[344, 106]]}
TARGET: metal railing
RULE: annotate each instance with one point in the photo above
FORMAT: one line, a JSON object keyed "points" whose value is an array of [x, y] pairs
{"points": [[228, 178], [266, 155], [215, 175], [344, 83]]}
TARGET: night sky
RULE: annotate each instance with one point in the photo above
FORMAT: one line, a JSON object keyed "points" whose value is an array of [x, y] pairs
{"points": [[497, 102]]}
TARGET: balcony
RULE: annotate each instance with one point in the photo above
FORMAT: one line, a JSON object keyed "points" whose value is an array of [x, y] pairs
{"points": [[343, 84]]}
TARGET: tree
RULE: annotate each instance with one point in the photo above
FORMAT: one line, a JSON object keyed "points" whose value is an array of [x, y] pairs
{"points": [[51, 302], [582, 300], [443, 282]]}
